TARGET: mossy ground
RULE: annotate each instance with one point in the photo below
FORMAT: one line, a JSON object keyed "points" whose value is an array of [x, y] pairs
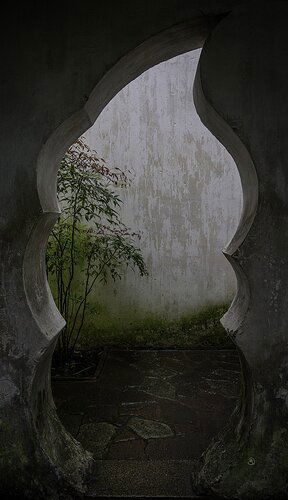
{"points": [[196, 330]]}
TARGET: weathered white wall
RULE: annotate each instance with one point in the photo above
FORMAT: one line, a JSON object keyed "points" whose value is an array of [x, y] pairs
{"points": [[185, 197]]}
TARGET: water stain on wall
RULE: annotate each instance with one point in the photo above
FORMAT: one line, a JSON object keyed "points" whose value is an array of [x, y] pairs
{"points": [[185, 196]]}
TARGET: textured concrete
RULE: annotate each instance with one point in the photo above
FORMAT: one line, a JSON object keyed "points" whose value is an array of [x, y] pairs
{"points": [[149, 440], [60, 67], [184, 199], [247, 108]]}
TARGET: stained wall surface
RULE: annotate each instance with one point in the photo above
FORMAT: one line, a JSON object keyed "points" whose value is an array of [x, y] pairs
{"points": [[185, 196]]}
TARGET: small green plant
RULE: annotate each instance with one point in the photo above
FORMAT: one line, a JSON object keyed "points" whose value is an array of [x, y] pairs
{"points": [[90, 242]]}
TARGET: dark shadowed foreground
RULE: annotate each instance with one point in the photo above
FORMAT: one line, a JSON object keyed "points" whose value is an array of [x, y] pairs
{"points": [[147, 416]]}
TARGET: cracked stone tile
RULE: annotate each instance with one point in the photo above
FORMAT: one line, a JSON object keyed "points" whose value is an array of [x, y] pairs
{"points": [[226, 388], [172, 412], [164, 372], [148, 409], [160, 388], [100, 413], [133, 449], [148, 429], [134, 404], [192, 392], [189, 428], [202, 402], [135, 396], [124, 435], [95, 437], [177, 447], [226, 374], [73, 406], [231, 364]]}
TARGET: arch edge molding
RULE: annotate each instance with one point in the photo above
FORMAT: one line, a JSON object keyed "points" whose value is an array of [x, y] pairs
{"points": [[239, 61]]}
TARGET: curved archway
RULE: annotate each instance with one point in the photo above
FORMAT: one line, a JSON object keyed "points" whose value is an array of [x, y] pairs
{"points": [[48, 433], [173, 42], [185, 196], [249, 91], [41, 307], [194, 193]]}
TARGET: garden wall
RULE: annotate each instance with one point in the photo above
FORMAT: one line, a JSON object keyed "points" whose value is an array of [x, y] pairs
{"points": [[184, 200]]}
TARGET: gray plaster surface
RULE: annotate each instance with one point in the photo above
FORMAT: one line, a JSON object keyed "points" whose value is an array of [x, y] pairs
{"points": [[184, 197], [237, 101]]}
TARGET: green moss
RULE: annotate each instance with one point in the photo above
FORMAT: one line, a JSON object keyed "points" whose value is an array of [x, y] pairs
{"points": [[196, 330]]}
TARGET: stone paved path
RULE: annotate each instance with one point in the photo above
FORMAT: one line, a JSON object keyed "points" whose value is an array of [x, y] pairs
{"points": [[149, 415]]}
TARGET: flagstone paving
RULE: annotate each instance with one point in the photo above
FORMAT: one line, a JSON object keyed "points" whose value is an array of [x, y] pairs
{"points": [[150, 411]]}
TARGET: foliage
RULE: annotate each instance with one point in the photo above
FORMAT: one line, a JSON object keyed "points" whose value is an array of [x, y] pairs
{"points": [[199, 329], [89, 243]]}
